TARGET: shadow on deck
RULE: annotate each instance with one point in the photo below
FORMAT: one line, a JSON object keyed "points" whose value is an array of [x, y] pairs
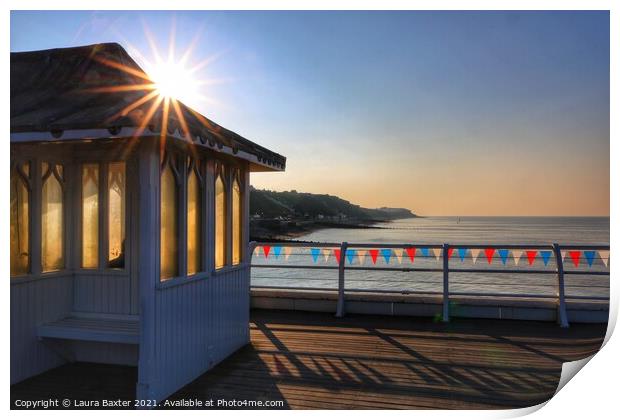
{"points": [[313, 360]]}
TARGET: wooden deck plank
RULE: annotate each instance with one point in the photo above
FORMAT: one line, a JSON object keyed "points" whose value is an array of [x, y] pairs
{"points": [[310, 361]]}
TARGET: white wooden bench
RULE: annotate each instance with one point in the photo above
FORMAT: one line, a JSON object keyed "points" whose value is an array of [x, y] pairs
{"points": [[103, 328]]}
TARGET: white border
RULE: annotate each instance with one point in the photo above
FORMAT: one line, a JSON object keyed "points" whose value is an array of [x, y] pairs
{"points": [[592, 395]]}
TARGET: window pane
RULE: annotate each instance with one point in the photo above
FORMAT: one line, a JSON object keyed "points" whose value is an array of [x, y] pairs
{"points": [[19, 225], [116, 215], [193, 224], [52, 224], [236, 223], [168, 239], [90, 216], [220, 223]]}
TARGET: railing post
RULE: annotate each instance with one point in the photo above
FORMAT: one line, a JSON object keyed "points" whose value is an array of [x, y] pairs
{"points": [[446, 288], [340, 305], [562, 317]]}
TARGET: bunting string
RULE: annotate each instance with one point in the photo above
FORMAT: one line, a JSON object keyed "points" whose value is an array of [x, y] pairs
{"points": [[408, 255]]}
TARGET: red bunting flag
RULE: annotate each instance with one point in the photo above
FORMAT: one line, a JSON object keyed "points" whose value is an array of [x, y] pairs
{"points": [[574, 255], [266, 250], [411, 253], [531, 256], [337, 255], [489, 253], [450, 251], [374, 253]]}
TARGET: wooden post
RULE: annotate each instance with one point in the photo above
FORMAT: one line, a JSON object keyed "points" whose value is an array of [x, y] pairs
{"points": [[148, 259], [340, 311], [562, 317], [446, 284]]}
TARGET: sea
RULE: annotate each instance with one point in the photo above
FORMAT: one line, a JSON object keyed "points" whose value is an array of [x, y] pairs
{"points": [[315, 266]]}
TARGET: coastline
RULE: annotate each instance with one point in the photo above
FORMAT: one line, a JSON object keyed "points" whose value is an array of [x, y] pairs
{"points": [[289, 231]]}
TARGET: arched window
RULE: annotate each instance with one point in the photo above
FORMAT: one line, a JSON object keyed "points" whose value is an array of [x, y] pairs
{"points": [[90, 215], [169, 257], [20, 214], [116, 215], [193, 218], [237, 219], [52, 218], [220, 218]]}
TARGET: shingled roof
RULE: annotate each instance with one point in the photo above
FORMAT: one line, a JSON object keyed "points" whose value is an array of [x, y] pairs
{"points": [[61, 91]]}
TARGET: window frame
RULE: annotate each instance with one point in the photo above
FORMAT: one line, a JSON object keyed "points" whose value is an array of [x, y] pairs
{"points": [[222, 169], [196, 165], [177, 166], [16, 165], [104, 225], [236, 175]]}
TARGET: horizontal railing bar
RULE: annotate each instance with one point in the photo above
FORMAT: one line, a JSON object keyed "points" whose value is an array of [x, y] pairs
{"points": [[493, 294], [295, 288], [308, 267], [500, 271], [596, 273], [435, 245], [403, 269], [423, 269], [587, 297]]}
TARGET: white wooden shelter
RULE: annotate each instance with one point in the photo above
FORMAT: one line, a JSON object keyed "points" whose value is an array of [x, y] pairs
{"points": [[129, 224]]}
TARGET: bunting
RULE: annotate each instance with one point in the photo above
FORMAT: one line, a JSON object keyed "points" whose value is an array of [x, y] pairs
{"points": [[424, 252], [266, 250], [326, 253], [589, 257], [350, 255], [399, 255], [574, 255], [337, 255], [256, 251], [410, 253], [489, 253], [462, 253], [474, 255], [387, 253], [361, 256], [437, 253], [604, 257], [531, 256], [315, 254], [374, 253], [450, 251], [563, 254], [517, 256], [287, 252], [503, 254], [277, 250], [545, 256]]}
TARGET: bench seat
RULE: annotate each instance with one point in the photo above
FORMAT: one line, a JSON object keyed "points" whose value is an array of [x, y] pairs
{"points": [[91, 328]]}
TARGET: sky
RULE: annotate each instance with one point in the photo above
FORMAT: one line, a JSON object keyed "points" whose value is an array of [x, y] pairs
{"points": [[444, 113]]}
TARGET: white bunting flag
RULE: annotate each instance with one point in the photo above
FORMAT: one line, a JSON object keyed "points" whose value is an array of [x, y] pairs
{"points": [[256, 251], [563, 253], [326, 253], [604, 257], [399, 255], [361, 255], [474, 255], [287, 252], [437, 253], [517, 256]]}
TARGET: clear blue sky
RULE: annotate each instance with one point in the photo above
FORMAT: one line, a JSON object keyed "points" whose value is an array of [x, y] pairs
{"points": [[458, 113]]}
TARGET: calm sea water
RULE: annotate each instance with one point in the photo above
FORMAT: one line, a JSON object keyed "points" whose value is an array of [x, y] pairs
{"points": [[437, 230]]}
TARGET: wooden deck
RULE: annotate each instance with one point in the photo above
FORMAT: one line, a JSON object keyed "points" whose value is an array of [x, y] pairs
{"points": [[313, 360]]}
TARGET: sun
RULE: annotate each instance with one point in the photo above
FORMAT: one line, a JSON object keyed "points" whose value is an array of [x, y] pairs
{"points": [[173, 80]]}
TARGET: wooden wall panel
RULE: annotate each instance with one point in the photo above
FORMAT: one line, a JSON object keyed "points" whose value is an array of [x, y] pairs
{"points": [[33, 303]]}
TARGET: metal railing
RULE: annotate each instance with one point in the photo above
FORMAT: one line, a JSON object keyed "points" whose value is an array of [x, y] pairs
{"points": [[559, 271]]}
